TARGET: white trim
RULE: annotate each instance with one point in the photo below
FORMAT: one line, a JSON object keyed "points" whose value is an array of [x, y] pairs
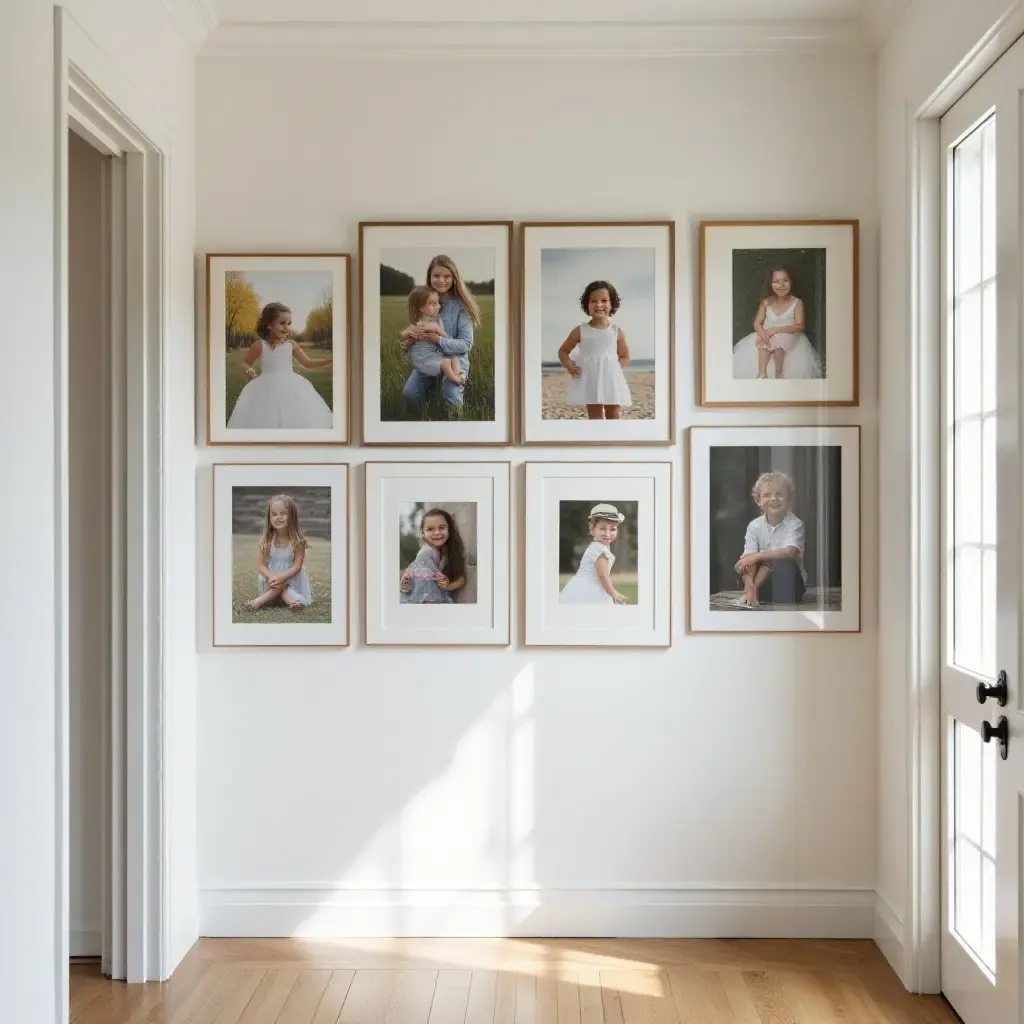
{"points": [[513, 912], [888, 936], [96, 101], [919, 966], [409, 41]]}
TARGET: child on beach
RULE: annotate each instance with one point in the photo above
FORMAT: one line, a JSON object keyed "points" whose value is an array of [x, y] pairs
{"points": [[592, 583], [439, 568], [598, 381], [426, 356], [778, 347], [771, 565], [279, 398], [283, 546]]}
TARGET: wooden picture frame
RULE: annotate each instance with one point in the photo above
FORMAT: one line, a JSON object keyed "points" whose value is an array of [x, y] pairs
{"points": [[561, 265], [408, 603], [409, 395], [567, 505], [804, 352], [295, 403], [316, 496], [816, 472]]}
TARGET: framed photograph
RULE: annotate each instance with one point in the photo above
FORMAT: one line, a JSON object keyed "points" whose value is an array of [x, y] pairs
{"points": [[779, 312], [774, 530], [598, 554], [436, 311], [277, 348], [598, 326], [438, 553], [280, 555]]}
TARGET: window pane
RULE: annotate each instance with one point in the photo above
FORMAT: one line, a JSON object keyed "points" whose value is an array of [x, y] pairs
{"points": [[974, 863], [971, 522]]}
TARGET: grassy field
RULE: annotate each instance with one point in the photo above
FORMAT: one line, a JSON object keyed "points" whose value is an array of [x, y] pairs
{"points": [[477, 399], [235, 379], [625, 583], [245, 585]]}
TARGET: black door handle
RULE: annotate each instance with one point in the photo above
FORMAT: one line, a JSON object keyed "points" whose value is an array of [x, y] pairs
{"points": [[999, 690], [999, 731]]}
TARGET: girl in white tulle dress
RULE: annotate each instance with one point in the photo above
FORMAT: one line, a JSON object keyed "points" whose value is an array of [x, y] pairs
{"points": [[279, 398], [592, 583], [597, 379], [281, 577], [778, 347]]}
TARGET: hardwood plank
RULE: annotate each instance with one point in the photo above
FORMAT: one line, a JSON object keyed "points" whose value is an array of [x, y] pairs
{"points": [[304, 997], [591, 1002], [334, 997], [483, 995], [411, 997], [700, 996], [569, 998], [513, 981], [269, 999], [451, 997]]}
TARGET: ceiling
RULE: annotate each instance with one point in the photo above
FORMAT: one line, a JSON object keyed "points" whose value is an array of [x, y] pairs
{"points": [[864, 23], [518, 11]]}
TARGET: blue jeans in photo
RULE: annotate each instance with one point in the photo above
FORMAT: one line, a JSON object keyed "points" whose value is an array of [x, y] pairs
{"points": [[418, 386]]}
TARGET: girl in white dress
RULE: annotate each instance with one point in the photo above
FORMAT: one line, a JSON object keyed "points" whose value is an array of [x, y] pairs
{"points": [[597, 380], [281, 577], [279, 398], [778, 347], [592, 583]]}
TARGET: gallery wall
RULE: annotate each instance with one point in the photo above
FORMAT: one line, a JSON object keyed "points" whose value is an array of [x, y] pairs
{"points": [[726, 783]]}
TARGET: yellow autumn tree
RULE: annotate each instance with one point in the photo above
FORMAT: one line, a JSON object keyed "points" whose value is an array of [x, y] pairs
{"points": [[241, 307], [319, 326]]}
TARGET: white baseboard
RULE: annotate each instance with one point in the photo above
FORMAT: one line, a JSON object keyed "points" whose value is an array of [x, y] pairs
{"points": [[888, 935], [590, 913], [84, 942]]}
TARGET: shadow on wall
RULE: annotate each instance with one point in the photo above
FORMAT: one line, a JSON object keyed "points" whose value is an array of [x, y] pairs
{"points": [[465, 806]]}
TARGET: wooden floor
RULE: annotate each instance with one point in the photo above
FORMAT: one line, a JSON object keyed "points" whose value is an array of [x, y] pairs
{"points": [[513, 981]]}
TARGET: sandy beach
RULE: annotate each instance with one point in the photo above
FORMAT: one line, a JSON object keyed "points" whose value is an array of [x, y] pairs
{"points": [[555, 385]]}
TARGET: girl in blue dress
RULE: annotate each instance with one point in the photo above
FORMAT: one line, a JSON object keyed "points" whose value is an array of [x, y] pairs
{"points": [[439, 568], [283, 546]]}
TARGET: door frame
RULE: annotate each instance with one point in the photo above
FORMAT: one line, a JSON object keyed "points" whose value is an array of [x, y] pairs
{"points": [[922, 924], [93, 99]]}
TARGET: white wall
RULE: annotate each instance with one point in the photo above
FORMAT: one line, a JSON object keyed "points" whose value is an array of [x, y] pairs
{"points": [[89, 467], [140, 41], [930, 40], [346, 791]]}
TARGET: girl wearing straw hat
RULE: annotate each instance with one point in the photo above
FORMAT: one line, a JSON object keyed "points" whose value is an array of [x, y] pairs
{"points": [[592, 583]]}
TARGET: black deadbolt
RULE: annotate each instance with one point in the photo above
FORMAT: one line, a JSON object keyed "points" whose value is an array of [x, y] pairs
{"points": [[999, 690], [1001, 731]]}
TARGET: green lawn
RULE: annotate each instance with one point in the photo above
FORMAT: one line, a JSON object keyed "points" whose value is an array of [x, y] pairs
{"points": [[245, 585], [235, 379], [477, 399], [625, 583]]}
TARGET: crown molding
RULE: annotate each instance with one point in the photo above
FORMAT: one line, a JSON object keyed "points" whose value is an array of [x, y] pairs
{"points": [[369, 40], [194, 19]]}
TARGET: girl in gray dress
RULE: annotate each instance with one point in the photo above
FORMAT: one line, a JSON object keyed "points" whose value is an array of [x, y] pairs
{"points": [[283, 546], [439, 568], [425, 311]]}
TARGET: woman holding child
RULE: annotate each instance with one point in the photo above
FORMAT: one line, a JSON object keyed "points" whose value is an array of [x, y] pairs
{"points": [[459, 316]]}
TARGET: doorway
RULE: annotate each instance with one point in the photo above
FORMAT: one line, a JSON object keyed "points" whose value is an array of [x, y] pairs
{"points": [[89, 515], [982, 558], [110, 314]]}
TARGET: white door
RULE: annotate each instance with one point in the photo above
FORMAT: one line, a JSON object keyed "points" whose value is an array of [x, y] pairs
{"points": [[983, 554]]}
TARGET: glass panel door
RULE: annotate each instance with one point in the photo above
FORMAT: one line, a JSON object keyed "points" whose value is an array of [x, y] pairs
{"points": [[982, 552]]}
